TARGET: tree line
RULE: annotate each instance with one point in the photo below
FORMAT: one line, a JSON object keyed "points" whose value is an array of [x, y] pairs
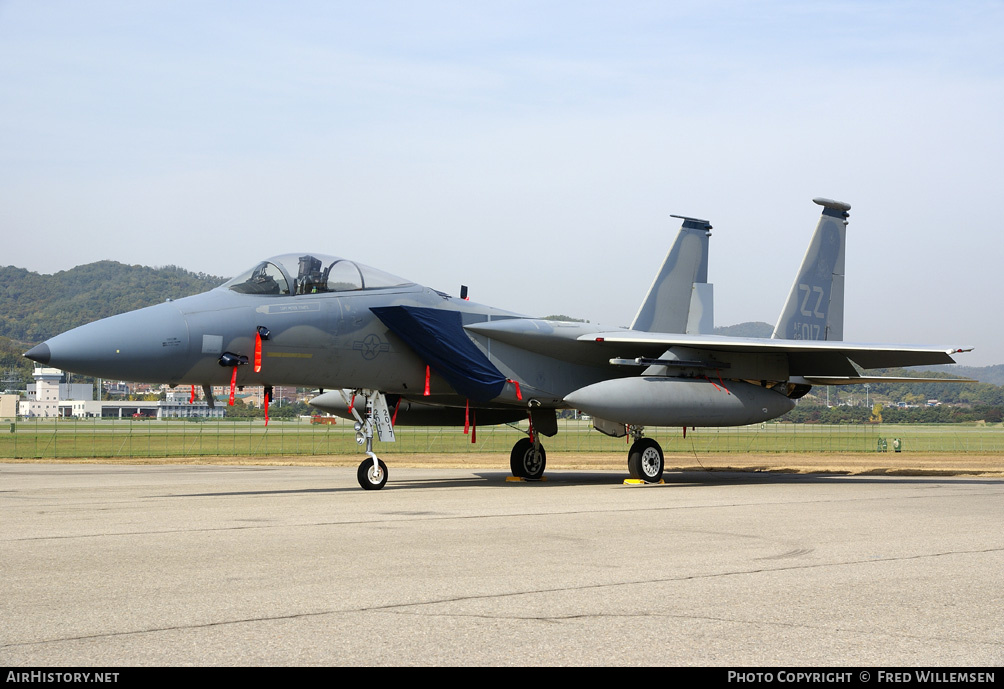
{"points": [[35, 307], [878, 413]]}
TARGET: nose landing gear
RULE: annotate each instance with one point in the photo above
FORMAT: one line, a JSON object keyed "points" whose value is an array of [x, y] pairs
{"points": [[372, 472]]}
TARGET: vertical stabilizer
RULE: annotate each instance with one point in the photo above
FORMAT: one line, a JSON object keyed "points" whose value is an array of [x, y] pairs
{"points": [[815, 306], [680, 298]]}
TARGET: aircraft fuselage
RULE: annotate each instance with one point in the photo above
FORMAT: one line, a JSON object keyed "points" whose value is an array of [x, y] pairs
{"points": [[323, 340]]}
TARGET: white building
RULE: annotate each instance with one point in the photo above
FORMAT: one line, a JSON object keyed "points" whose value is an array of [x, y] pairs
{"points": [[125, 409], [49, 397], [44, 395], [8, 406]]}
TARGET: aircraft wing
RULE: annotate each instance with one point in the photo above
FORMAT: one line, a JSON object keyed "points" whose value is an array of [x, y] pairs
{"points": [[806, 357], [583, 343]]}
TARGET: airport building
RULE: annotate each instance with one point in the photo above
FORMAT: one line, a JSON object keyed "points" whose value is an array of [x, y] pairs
{"points": [[8, 406], [50, 397], [45, 394], [158, 409]]}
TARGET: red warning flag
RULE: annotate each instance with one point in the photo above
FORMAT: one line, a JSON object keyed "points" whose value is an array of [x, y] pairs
{"points": [[257, 352], [233, 384], [519, 395], [393, 419], [720, 381]]}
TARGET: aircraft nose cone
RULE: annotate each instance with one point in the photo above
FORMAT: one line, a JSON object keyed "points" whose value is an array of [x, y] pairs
{"points": [[149, 345], [39, 353]]}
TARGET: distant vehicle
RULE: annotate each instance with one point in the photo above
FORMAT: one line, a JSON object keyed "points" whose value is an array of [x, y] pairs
{"points": [[394, 352], [329, 420]]}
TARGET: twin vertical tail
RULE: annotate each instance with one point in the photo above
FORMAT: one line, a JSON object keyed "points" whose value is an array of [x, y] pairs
{"points": [[680, 299], [815, 306]]}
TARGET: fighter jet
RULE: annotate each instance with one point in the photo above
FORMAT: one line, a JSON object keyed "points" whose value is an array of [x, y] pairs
{"points": [[392, 352]]}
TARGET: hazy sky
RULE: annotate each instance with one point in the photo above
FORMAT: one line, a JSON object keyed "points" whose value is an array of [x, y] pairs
{"points": [[532, 150]]}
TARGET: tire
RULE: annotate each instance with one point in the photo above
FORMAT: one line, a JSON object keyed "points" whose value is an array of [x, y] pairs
{"points": [[369, 479], [646, 461], [525, 461]]}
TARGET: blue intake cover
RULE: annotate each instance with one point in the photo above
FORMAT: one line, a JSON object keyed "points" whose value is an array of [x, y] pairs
{"points": [[438, 336]]}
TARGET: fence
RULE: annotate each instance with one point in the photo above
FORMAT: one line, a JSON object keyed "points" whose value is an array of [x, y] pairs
{"points": [[45, 438]]}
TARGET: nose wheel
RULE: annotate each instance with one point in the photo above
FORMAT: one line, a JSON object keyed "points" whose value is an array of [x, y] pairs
{"points": [[372, 473]]}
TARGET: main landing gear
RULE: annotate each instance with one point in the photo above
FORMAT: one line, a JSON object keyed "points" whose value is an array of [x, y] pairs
{"points": [[528, 459], [645, 459]]}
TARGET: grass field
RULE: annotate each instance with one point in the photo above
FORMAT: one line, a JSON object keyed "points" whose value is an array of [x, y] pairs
{"points": [[99, 438]]}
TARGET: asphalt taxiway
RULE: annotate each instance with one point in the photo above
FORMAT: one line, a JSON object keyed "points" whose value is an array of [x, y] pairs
{"points": [[118, 565]]}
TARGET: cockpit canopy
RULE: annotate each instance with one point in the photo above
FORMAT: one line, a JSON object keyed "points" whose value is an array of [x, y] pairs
{"points": [[311, 274]]}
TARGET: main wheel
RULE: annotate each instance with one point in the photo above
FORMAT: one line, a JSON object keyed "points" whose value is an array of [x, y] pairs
{"points": [[370, 478], [645, 460], [526, 461]]}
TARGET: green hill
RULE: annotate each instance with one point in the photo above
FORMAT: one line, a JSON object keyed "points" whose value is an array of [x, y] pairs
{"points": [[985, 374], [35, 307], [750, 329]]}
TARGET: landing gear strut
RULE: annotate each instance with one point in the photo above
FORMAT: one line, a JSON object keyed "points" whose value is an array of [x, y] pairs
{"points": [[528, 459], [645, 458]]}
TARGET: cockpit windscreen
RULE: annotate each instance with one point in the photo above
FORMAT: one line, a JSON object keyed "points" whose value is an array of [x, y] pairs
{"points": [[311, 274]]}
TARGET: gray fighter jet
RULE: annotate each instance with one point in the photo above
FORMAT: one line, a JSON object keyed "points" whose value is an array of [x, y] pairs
{"points": [[393, 352]]}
